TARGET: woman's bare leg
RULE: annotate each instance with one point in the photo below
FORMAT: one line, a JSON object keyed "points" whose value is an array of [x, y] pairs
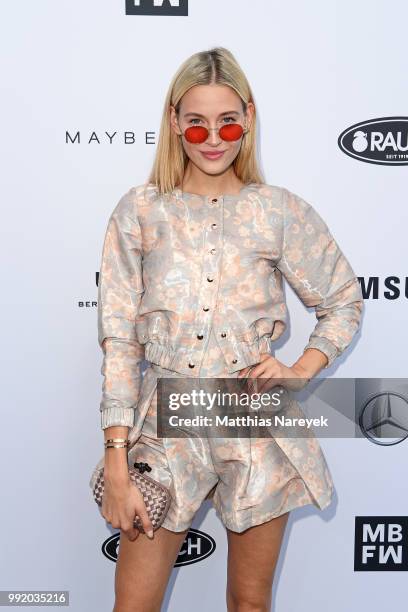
{"points": [[252, 559], [143, 570]]}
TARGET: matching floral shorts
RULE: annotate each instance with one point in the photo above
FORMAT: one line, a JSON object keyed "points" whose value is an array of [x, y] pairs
{"points": [[249, 480]]}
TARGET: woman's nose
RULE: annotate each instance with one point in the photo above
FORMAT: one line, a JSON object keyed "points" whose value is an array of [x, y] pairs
{"points": [[213, 137]]}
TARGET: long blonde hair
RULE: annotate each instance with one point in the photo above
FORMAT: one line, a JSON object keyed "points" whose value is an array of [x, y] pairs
{"points": [[216, 65]]}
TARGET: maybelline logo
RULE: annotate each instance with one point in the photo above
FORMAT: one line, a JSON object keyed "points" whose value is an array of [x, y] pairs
{"points": [[377, 141], [381, 543], [157, 7], [196, 547], [110, 138]]}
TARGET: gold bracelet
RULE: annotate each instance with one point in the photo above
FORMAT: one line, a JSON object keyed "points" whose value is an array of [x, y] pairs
{"points": [[116, 445], [117, 440]]}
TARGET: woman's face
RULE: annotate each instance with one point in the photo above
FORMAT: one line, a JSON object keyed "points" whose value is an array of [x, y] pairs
{"points": [[211, 106]]}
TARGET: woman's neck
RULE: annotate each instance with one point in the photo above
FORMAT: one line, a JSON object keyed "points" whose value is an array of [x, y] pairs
{"points": [[211, 185]]}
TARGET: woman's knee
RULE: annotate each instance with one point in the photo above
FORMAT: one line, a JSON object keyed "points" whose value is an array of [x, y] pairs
{"points": [[247, 602]]}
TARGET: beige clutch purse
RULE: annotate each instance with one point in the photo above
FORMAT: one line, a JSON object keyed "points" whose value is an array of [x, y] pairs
{"points": [[155, 495]]}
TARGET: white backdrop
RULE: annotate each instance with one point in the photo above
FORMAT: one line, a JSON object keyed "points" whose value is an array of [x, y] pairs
{"points": [[316, 68]]}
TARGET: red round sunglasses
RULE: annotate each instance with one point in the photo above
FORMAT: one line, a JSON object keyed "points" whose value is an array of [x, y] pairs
{"points": [[197, 133]]}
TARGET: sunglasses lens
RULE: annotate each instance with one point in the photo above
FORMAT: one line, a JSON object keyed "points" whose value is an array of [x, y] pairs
{"points": [[231, 131], [196, 134]]}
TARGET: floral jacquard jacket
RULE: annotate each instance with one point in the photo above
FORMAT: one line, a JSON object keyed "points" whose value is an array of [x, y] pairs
{"points": [[175, 267]]}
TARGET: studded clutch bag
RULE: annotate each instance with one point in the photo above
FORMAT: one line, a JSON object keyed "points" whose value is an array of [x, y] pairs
{"points": [[155, 495]]}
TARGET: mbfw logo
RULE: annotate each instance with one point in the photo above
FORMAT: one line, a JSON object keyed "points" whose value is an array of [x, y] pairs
{"points": [[156, 7], [196, 547], [377, 141], [381, 543]]}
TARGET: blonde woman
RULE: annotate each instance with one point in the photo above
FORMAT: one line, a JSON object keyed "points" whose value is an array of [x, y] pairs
{"points": [[191, 283]]}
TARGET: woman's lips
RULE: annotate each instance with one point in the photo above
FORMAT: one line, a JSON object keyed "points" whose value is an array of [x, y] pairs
{"points": [[212, 155]]}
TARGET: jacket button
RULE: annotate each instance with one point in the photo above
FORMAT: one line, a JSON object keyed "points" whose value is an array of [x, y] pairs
{"points": [[223, 335], [205, 308], [210, 280], [191, 365], [234, 361], [200, 336], [213, 251]]}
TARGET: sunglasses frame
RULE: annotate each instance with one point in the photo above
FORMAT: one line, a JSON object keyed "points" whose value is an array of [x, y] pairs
{"points": [[244, 131]]}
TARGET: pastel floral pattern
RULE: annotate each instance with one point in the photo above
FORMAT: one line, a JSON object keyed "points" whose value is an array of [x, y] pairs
{"points": [[194, 287], [167, 279]]}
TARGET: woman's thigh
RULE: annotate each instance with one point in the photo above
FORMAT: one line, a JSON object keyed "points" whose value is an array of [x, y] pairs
{"points": [[143, 569], [252, 559]]}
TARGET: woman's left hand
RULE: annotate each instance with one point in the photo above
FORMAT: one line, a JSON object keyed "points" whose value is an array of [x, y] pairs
{"points": [[270, 372]]}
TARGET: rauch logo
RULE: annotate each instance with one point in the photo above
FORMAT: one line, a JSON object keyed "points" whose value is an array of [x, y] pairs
{"points": [[377, 141], [196, 547]]}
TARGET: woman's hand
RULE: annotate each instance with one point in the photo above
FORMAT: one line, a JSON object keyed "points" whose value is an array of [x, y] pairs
{"points": [[121, 501], [270, 372]]}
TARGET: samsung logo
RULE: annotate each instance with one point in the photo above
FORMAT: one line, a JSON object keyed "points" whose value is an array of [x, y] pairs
{"points": [[196, 547], [377, 141], [157, 7]]}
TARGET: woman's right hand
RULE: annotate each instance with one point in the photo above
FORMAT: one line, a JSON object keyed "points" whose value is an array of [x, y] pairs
{"points": [[121, 501]]}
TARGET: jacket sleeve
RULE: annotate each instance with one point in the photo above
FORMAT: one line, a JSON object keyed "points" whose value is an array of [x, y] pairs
{"points": [[319, 273], [120, 288]]}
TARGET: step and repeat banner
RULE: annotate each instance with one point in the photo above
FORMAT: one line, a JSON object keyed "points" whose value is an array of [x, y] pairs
{"points": [[83, 89]]}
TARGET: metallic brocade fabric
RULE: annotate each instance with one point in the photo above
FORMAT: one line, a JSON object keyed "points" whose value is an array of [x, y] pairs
{"points": [[193, 285]]}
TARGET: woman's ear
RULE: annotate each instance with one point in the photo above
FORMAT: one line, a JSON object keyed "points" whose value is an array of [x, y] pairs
{"points": [[249, 114], [174, 120]]}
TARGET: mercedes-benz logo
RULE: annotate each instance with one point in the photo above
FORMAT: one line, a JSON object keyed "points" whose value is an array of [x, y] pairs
{"points": [[383, 418]]}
